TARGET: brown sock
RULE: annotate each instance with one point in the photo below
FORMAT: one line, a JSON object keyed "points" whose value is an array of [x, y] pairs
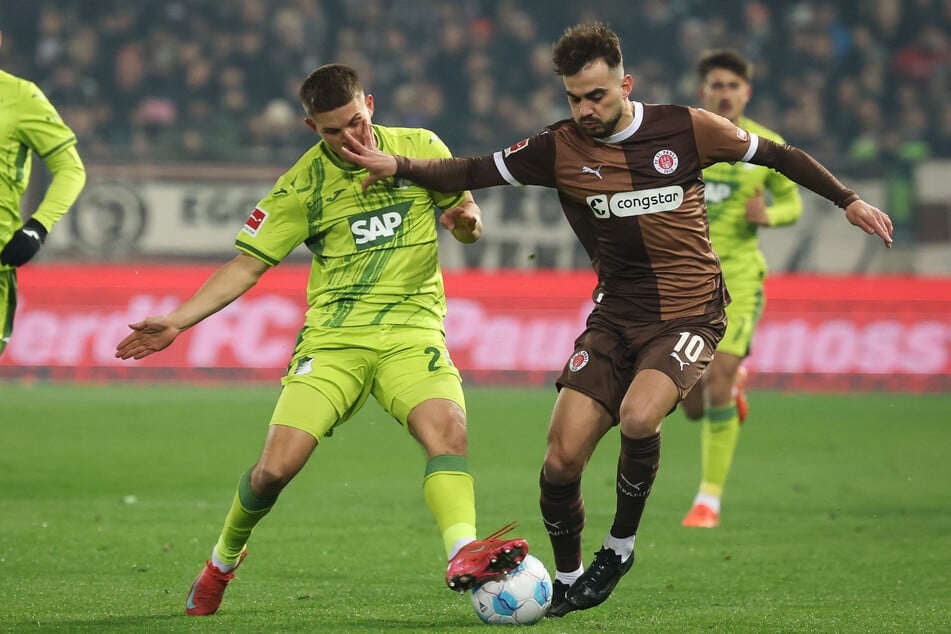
{"points": [[636, 470], [563, 512]]}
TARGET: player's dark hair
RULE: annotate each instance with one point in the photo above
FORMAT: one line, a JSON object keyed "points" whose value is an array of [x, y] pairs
{"points": [[329, 87], [730, 60], [584, 43]]}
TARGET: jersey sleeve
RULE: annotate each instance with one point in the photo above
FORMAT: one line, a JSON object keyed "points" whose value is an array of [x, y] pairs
{"points": [[40, 127], [276, 226], [69, 177], [719, 140], [431, 146], [531, 161]]}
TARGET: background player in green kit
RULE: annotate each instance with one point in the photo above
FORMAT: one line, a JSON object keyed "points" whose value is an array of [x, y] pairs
{"points": [[374, 326], [736, 196], [29, 123]]}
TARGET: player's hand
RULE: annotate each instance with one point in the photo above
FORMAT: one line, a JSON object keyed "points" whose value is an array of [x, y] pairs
{"points": [[870, 220], [24, 244], [365, 154], [756, 209], [149, 335], [464, 222]]}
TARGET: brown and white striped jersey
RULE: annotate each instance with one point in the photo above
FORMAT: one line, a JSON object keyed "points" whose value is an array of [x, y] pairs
{"points": [[635, 199], [636, 202]]}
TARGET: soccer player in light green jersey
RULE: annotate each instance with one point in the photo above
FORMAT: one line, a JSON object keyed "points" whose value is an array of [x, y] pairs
{"points": [[736, 196], [29, 123], [374, 326]]}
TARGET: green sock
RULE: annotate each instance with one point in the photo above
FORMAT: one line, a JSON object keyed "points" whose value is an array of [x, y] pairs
{"points": [[450, 496], [246, 511], [719, 434]]}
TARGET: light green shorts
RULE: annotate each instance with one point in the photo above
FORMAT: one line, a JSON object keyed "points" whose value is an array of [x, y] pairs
{"points": [[334, 371], [742, 315], [8, 305]]}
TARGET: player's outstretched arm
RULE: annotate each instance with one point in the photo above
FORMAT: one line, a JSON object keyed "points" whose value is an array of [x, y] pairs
{"points": [[803, 169], [223, 287], [870, 220], [464, 220]]}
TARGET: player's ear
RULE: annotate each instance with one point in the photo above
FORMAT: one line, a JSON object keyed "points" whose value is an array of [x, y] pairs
{"points": [[627, 85], [310, 124], [369, 104]]}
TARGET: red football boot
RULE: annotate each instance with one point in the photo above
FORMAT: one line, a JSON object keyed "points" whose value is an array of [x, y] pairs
{"points": [[485, 559], [204, 597]]}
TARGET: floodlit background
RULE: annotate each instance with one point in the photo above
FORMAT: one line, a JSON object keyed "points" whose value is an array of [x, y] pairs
{"points": [[186, 113]]}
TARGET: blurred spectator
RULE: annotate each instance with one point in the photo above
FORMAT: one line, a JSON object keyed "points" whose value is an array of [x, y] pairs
{"points": [[148, 79]]}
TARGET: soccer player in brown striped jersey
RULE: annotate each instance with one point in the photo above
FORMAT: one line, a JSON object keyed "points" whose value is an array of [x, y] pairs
{"points": [[629, 181]]}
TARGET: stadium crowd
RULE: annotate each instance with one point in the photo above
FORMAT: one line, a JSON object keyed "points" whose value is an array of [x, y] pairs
{"points": [[851, 81]]}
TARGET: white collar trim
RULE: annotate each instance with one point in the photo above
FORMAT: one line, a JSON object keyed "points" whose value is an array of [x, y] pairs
{"points": [[630, 130]]}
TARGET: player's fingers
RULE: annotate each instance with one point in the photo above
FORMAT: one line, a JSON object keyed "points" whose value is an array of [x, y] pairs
{"points": [[127, 341], [351, 146], [368, 136], [885, 233]]}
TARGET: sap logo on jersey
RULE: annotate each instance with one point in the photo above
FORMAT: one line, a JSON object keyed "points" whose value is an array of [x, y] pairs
{"points": [[716, 192], [254, 222], [377, 227], [646, 201]]}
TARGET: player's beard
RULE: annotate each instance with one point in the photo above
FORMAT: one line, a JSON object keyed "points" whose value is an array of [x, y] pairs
{"points": [[607, 128]]}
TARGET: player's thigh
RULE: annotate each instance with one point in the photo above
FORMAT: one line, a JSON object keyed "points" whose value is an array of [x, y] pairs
{"points": [[679, 348], [601, 365], [578, 422], [439, 425], [8, 304], [325, 386], [742, 315], [415, 368]]}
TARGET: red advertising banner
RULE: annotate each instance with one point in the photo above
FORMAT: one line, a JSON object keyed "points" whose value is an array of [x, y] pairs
{"points": [[513, 328]]}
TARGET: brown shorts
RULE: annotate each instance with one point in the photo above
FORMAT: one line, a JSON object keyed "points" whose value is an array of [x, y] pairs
{"points": [[609, 353]]}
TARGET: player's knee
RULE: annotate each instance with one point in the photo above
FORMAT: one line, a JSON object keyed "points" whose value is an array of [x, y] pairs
{"points": [[561, 468], [720, 391], [453, 441], [269, 479], [640, 422]]}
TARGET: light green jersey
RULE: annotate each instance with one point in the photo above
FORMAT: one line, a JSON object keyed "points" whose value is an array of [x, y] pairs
{"points": [[28, 121], [375, 253], [727, 188]]}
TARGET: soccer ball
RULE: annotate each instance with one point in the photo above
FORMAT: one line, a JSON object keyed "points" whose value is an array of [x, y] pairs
{"points": [[521, 597]]}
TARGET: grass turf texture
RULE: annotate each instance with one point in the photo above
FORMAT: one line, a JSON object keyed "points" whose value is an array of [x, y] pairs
{"points": [[836, 518]]}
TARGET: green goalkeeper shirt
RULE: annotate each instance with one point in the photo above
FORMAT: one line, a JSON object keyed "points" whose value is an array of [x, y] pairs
{"points": [[28, 122], [375, 257], [727, 189]]}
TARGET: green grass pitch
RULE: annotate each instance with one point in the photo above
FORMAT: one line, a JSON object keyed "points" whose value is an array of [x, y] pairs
{"points": [[837, 517]]}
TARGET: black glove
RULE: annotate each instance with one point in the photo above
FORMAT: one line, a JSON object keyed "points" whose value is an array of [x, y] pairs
{"points": [[24, 244]]}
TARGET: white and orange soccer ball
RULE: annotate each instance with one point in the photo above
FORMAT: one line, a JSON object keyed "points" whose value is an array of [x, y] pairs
{"points": [[521, 597]]}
